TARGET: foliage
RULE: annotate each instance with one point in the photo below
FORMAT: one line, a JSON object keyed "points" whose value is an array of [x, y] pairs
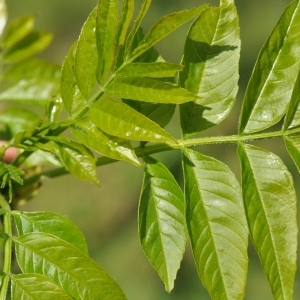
{"points": [[114, 88]]}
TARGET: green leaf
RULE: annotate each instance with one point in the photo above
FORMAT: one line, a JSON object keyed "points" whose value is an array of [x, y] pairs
{"points": [[148, 90], [162, 227], [86, 57], [292, 144], [292, 118], [164, 27], [270, 203], [86, 132], [124, 21], [53, 109], [18, 29], [77, 159], [48, 222], [3, 16], [217, 225], [33, 43], [106, 22], [154, 70], [64, 264], [119, 119], [71, 95], [274, 75], [35, 286], [211, 60]]}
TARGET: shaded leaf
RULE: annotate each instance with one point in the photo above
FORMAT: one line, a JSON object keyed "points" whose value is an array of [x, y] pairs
{"points": [[35, 286], [270, 203], [33, 43], [292, 144], [86, 132], [162, 227], [217, 225], [106, 22], [64, 264], [148, 90], [86, 57], [3, 16], [211, 60], [274, 75], [119, 119], [48, 222]]}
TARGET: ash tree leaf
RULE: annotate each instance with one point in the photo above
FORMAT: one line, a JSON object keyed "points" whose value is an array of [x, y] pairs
{"points": [[106, 23], [52, 223], [86, 57], [211, 60], [86, 132], [270, 87], [3, 16], [17, 30], [119, 119], [292, 144], [65, 265], [162, 227], [148, 90], [70, 93], [35, 286], [31, 44], [164, 27], [292, 118], [217, 225], [270, 203]]}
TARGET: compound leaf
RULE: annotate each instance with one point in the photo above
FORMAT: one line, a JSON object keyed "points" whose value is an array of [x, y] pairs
{"points": [[162, 227], [217, 225], [270, 203], [119, 119], [270, 87], [65, 265]]}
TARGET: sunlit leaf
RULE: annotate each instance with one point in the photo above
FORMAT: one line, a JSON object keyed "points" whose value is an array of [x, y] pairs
{"points": [[217, 225], [164, 27], [86, 132], [86, 57], [64, 264], [119, 119], [162, 227], [48, 222], [292, 144], [53, 109], [36, 286], [274, 75], [211, 60], [3, 16], [106, 22], [148, 90], [270, 203]]}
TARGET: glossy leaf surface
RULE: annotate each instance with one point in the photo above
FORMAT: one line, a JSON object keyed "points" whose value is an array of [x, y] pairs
{"points": [[106, 22], [164, 27], [270, 203], [64, 264], [119, 119], [162, 227], [3, 16], [36, 286], [217, 225], [86, 132], [211, 60], [86, 57], [148, 90], [274, 75], [292, 144], [48, 222]]}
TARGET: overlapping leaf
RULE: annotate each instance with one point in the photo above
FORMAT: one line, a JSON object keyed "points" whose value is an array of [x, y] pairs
{"points": [[48, 222], [217, 225], [65, 265], [274, 75], [86, 132], [36, 286], [211, 60], [270, 203], [119, 119], [162, 227]]}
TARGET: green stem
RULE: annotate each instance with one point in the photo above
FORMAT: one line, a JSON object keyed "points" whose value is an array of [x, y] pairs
{"points": [[7, 247]]}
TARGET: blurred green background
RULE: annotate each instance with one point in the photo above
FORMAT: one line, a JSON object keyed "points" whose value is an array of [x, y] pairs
{"points": [[108, 215]]}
